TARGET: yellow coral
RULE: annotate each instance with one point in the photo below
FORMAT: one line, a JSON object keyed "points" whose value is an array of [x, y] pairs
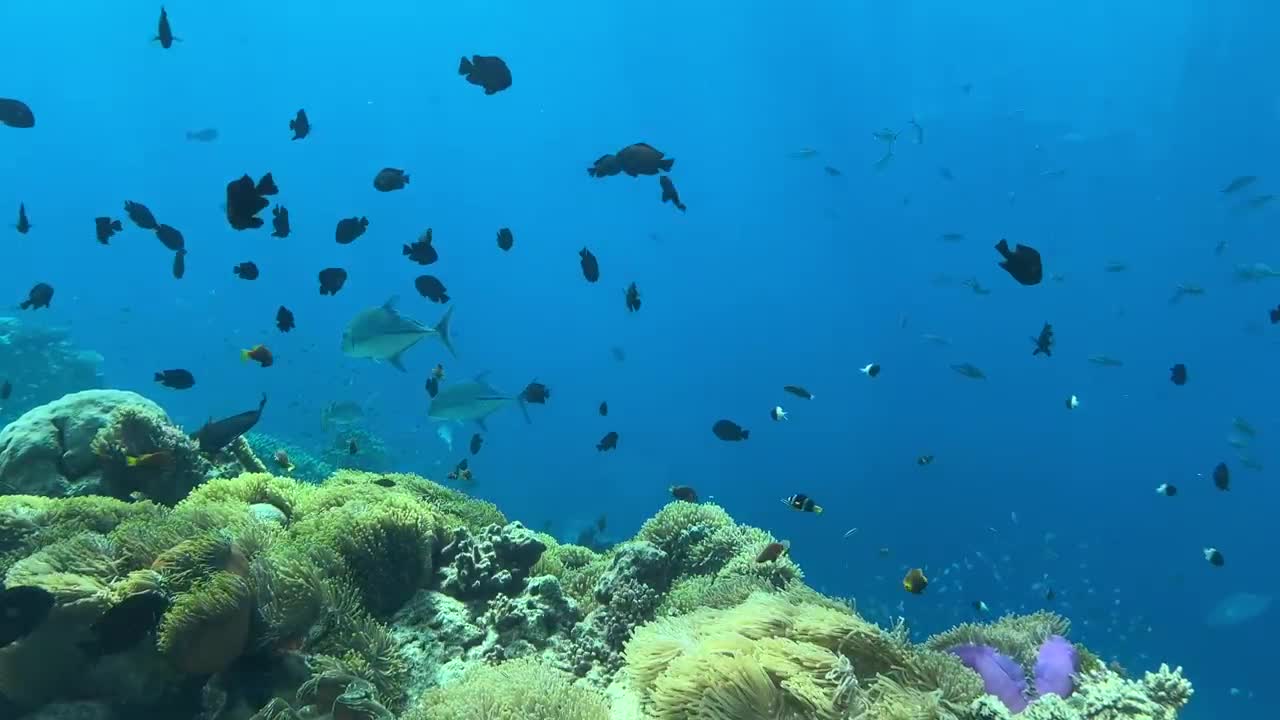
{"points": [[251, 488], [207, 627], [523, 689]]}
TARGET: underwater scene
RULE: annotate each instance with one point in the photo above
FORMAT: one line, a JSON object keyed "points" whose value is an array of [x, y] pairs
{"points": [[639, 361]]}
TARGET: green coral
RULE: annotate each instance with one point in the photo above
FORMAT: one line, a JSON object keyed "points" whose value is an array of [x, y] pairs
{"points": [[252, 488], [134, 431], [28, 522], [207, 627], [521, 689], [774, 654], [456, 507], [386, 545]]}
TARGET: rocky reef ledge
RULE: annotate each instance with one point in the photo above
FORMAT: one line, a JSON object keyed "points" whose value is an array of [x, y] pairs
{"points": [[373, 596]]}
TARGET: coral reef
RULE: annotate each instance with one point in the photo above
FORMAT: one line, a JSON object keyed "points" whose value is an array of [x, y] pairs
{"points": [[306, 466], [42, 365], [53, 449], [373, 596]]}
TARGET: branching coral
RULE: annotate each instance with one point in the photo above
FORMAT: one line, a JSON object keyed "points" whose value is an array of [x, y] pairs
{"points": [[523, 689], [497, 559]]}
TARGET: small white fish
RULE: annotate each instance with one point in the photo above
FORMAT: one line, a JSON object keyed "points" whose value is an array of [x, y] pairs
{"points": [[850, 532], [871, 370], [1073, 402], [777, 413], [445, 433]]}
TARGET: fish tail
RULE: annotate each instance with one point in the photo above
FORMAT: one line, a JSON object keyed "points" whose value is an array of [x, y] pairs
{"points": [[666, 164], [131, 461], [464, 66], [442, 329], [746, 434], [524, 408], [817, 509], [244, 355]]}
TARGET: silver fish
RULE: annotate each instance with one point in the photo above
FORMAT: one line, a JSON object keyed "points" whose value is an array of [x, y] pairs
{"points": [[382, 333], [472, 401]]}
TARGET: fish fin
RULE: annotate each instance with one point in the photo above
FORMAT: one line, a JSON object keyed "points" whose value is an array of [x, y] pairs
{"points": [[262, 403], [481, 376], [524, 408], [442, 329], [481, 423], [395, 362], [390, 304]]}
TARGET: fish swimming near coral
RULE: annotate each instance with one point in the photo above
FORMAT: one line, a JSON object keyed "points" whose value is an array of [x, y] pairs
{"points": [[382, 333], [215, 435], [125, 625], [473, 401]]}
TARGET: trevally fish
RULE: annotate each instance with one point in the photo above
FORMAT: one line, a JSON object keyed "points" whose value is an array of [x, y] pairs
{"points": [[382, 333], [472, 401]]}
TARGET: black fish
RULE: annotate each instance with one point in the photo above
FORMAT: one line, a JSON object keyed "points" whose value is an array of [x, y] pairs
{"points": [[684, 493], [246, 271], [105, 227], [6, 390], [643, 159], [430, 287], [170, 237], [245, 200], [216, 435], [266, 186], [1275, 315], [1178, 374], [505, 239], [798, 391], [669, 192], [280, 221], [300, 125], [384, 482], [332, 280], [349, 229], [179, 264], [16, 114], [421, 251], [165, 33], [604, 408], [39, 297], [1222, 477], [730, 431], [608, 442], [536, 393], [433, 386], [633, 298], [487, 71], [829, 170], [477, 440], [124, 625], [389, 179], [284, 319], [22, 610], [803, 503], [1023, 263], [23, 225], [605, 166], [1044, 342], [176, 379], [140, 215], [590, 266]]}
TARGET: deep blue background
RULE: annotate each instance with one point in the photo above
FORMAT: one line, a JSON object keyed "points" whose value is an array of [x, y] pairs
{"points": [[778, 273]]}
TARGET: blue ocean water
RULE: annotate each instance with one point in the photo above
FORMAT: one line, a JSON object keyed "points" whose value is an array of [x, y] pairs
{"points": [[1092, 131]]}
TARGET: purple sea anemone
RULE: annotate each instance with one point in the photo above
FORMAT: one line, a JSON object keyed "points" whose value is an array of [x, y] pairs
{"points": [[1002, 676]]}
